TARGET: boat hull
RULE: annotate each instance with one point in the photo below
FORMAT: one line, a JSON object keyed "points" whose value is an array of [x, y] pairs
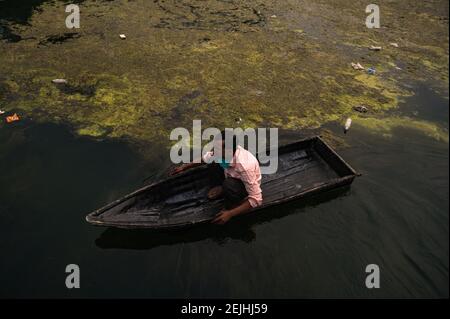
{"points": [[305, 168]]}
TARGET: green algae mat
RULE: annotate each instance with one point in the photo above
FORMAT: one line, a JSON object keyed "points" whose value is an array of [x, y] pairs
{"points": [[283, 64]]}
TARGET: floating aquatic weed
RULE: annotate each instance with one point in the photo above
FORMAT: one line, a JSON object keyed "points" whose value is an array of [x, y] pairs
{"points": [[244, 66], [59, 38]]}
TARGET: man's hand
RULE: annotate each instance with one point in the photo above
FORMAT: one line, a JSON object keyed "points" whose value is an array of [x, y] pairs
{"points": [[225, 215], [222, 217], [177, 170], [181, 168]]}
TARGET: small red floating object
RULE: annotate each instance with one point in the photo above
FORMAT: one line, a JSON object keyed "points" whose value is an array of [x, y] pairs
{"points": [[12, 118]]}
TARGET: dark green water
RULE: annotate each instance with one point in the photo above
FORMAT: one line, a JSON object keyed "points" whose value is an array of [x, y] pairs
{"points": [[395, 215]]}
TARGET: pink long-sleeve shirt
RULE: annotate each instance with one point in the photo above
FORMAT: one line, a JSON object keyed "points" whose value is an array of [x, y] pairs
{"points": [[244, 166]]}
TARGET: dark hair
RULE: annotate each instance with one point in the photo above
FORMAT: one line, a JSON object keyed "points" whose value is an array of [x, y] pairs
{"points": [[221, 136]]}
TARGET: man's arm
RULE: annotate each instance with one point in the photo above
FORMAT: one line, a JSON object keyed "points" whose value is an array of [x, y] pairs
{"points": [[202, 160], [181, 168], [251, 180]]}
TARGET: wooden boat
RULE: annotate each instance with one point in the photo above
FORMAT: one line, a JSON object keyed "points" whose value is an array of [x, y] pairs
{"points": [[306, 167]]}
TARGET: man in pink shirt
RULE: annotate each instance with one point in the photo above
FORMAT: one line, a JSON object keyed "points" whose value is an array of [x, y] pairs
{"points": [[238, 179]]}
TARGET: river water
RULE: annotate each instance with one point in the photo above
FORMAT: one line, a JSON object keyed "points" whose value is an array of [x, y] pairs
{"points": [[395, 215]]}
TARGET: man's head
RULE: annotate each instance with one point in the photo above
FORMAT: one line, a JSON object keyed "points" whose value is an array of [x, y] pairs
{"points": [[226, 144]]}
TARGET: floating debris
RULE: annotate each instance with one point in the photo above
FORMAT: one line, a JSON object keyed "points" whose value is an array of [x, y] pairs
{"points": [[12, 118], [122, 36], [59, 81], [374, 48], [273, 16], [357, 66], [257, 92], [347, 125], [361, 108], [2, 112], [59, 38], [371, 70], [395, 45]]}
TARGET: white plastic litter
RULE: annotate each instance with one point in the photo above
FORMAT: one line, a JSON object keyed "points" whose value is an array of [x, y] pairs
{"points": [[357, 66], [59, 81], [374, 48], [347, 125], [122, 36], [360, 108]]}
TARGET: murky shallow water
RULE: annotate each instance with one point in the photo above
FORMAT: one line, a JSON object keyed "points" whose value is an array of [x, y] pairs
{"points": [[395, 215]]}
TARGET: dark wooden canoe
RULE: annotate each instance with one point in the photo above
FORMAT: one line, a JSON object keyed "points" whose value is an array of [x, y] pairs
{"points": [[305, 167]]}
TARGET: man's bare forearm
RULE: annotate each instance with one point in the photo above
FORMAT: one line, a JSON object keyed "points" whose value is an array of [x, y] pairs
{"points": [[192, 165], [225, 215], [183, 167], [243, 208]]}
